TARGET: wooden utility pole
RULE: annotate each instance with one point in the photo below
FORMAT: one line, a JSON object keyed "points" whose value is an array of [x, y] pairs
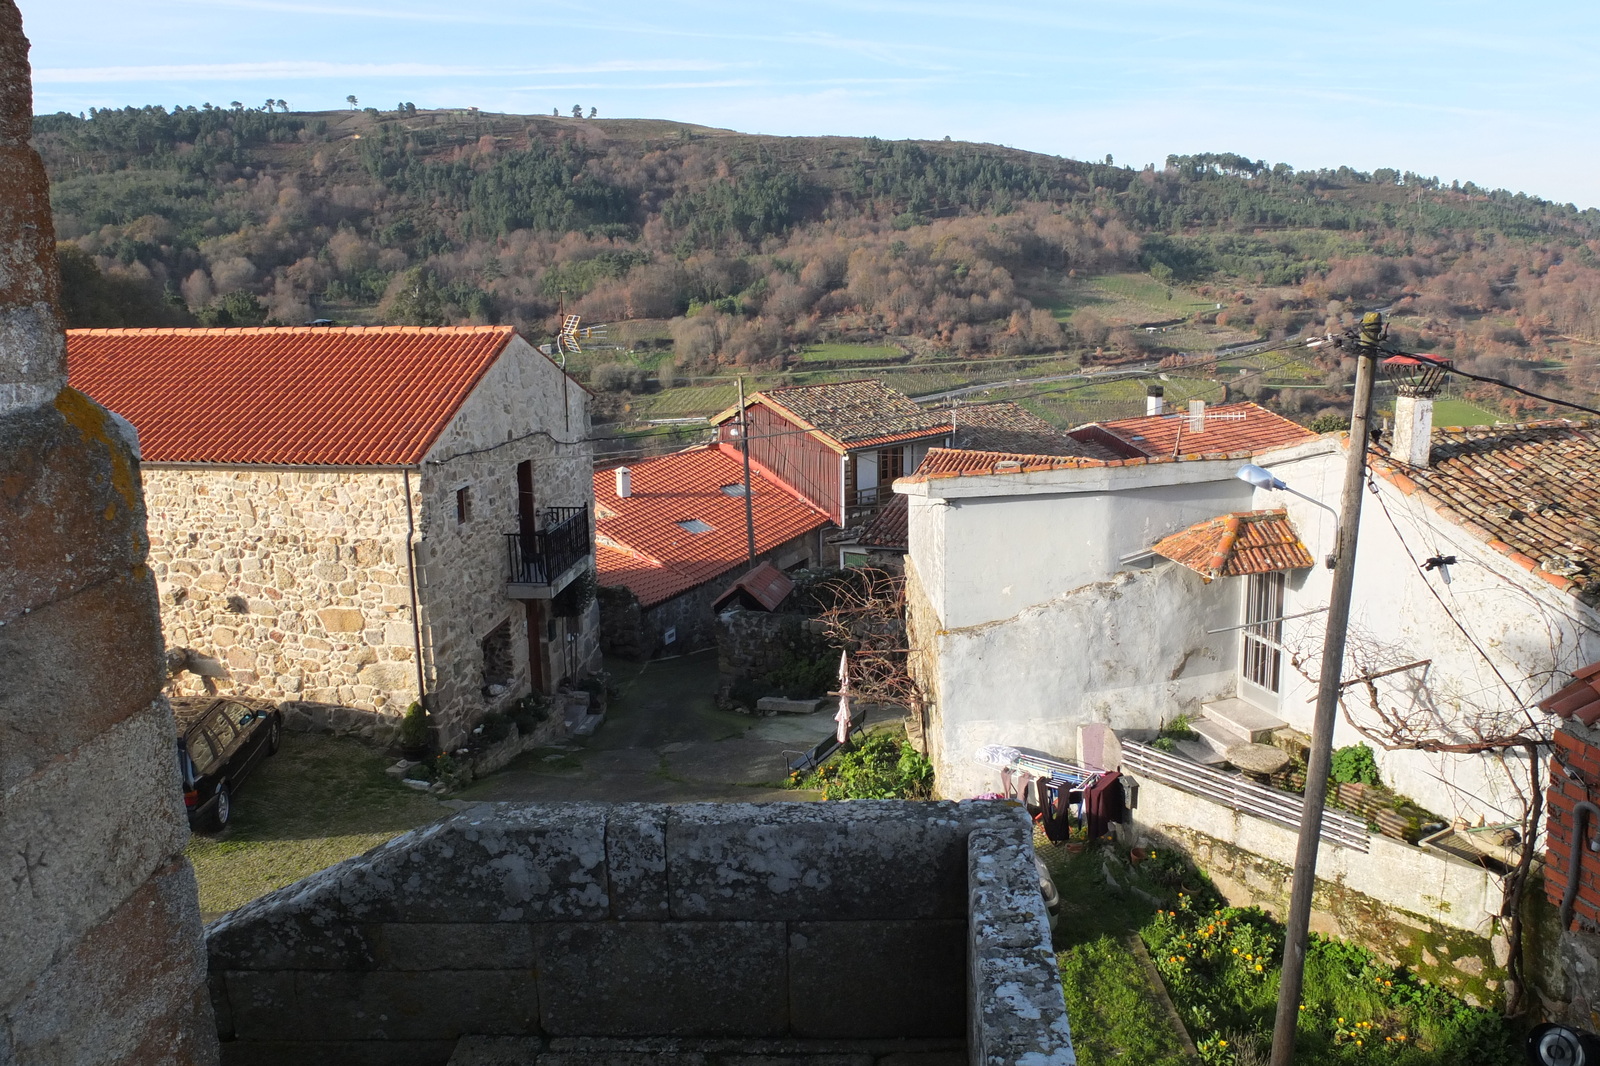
{"points": [[1344, 572], [749, 507]]}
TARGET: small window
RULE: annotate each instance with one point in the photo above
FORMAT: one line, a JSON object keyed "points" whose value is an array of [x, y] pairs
{"points": [[497, 666], [733, 490], [891, 464], [463, 505], [694, 525]]}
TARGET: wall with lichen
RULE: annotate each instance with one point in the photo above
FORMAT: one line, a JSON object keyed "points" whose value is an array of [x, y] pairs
{"points": [[101, 958]]}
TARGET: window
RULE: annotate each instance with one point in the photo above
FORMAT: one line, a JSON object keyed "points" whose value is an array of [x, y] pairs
{"points": [[497, 667], [463, 505], [733, 490], [694, 525], [1263, 635], [202, 750], [891, 464]]}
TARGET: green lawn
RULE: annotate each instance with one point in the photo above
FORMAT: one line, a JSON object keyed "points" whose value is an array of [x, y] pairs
{"points": [[836, 353], [319, 801], [1461, 413]]}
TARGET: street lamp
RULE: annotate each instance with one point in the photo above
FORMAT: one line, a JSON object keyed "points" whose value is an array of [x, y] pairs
{"points": [[1263, 478]]}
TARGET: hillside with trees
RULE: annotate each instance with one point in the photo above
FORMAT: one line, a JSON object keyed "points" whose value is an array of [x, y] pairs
{"points": [[708, 249]]}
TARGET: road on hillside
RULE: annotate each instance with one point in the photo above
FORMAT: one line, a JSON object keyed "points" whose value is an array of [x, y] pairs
{"points": [[1109, 374]]}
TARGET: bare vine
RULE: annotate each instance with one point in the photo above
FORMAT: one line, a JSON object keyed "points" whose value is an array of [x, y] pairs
{"points": [[866, 616]]}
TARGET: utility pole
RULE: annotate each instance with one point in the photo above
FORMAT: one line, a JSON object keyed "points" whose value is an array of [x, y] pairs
{"points": [[749, 507], [1344, 572]]}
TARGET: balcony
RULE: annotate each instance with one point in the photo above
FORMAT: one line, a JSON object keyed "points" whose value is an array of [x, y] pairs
{"points": [[544, 560]]}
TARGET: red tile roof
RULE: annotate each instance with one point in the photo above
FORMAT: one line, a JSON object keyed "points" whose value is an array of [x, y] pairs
{"points": [[953, 462], [766, 585], [1003, 426], [848, 415], [1229, 427], [299, 396], [1531, 491], [1233, 545], [888, 528], [1581, 699], [643, 547]]}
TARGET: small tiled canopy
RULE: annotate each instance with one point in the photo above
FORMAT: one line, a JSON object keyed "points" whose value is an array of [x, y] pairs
{"points": [[1233, 545], [1580, 699]]}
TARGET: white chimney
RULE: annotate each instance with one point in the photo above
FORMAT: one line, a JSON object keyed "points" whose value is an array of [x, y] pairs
{"points": [[1154, 403], [1197, 416], [624, 483], [1413, 429]]}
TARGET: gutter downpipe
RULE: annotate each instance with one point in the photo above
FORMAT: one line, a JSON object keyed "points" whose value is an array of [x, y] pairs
{"points": [[411, 572]]}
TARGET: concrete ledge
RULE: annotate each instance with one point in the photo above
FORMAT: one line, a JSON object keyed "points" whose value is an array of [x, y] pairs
{"points": [[1017, 1015]]}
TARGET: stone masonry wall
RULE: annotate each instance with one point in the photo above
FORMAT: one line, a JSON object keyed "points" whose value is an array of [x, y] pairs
{"points": [[101, 958], [565, 921], [294, 580], [524, 408]]}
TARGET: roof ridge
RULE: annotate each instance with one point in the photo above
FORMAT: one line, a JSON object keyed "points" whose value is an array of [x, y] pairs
{"points": [[259, 331]]}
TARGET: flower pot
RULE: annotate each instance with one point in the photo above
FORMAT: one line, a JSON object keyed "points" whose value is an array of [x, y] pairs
{"points": [[1077, 847], [1136, 855]]}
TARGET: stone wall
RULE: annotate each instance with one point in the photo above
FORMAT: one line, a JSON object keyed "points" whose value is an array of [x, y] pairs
{"points": [[1572, 985], [523, 409], [752, 644], [1414, 906], [294, 580], [101, 958], [572, 922]]}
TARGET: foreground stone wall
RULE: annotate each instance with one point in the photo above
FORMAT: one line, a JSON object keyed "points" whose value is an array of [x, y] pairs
{"points": [[101, 957], [568, 921], [294, 580]]}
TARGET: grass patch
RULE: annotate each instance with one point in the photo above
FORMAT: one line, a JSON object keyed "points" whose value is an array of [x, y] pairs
{"points": [[1460, 413], [319, 801], [880, 765], [1114, 1013], [854, 353]]}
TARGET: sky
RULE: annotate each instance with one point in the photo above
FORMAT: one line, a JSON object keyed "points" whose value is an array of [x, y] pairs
{"points": [[1463, 90]]}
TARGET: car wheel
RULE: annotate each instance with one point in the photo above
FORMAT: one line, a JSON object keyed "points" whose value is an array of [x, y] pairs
{"points": [[222, 810], [274, 735]]}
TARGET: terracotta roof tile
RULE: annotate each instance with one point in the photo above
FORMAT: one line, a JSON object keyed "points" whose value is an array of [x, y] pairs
{"points": [[1229, 427], [766, 584], [954, 462], [312, 396], [1003, 426], [851, 414], [1580, 699], [642, 545], [1233, 545], [888, 527], [1530, 491]]}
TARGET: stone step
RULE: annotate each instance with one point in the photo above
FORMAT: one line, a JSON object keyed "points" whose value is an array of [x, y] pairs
{"points": [[1201, 752], [784, 705], [1214, 736], [1245, 720]]}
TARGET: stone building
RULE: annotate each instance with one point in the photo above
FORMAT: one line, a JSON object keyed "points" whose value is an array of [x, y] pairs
{"points": [[101, 951], [673, 539], [356, 516]]}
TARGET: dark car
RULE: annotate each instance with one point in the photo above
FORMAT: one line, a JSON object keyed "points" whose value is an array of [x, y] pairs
{"points": [[220, 741]]}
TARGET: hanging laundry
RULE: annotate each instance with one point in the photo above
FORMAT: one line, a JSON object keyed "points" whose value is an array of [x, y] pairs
{"points": [[1103, 804]]}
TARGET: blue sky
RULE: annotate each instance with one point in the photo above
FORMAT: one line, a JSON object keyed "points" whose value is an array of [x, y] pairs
{"points": [[1498, 94]]}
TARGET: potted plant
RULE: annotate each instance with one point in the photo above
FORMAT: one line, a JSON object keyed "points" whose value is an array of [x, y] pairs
{"points": [[1078, 840], [414, 733]]}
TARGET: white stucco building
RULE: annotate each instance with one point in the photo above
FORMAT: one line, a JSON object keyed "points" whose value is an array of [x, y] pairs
{"points": [[1036, 603], [361, 516]]}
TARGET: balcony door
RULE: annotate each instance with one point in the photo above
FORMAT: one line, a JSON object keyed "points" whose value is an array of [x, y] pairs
{"points": [[1261, 665], [527, 510]]}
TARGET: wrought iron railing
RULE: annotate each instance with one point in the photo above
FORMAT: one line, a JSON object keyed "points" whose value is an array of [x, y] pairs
{"points": [[540, 555], [1244, 796]]}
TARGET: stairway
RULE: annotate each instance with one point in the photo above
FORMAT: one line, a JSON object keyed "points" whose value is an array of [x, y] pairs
{"points": [[1225, 723]]}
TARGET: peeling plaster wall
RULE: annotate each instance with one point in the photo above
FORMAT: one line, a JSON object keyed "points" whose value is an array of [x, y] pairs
{"points": [[1527, 627], [1131, 652]]}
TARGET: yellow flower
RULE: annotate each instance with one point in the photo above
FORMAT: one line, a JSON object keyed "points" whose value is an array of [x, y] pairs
{"points": [[1258, 967], [1236, 951], [1302, 1006], [1222, 1043], [1341, 1021]]}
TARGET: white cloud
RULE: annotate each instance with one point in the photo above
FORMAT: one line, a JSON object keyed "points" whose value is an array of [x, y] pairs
{"points": [[303, 70]]}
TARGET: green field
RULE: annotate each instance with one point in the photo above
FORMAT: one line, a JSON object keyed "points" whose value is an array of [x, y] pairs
{"points": [[1461, 413], [840, 353]]}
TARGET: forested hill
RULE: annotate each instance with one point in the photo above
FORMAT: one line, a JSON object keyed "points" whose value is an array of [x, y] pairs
{"points": [[750, 247]]}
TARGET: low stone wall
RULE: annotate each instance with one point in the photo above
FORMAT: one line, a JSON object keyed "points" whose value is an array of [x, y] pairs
{"points": [[1424, 909], [752, 644], [590, 922]]}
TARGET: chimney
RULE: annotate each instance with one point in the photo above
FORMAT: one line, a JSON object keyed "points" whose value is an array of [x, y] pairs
{"points": [[1197, 416], [1413, 429], [624, 483], [1154, 404]]}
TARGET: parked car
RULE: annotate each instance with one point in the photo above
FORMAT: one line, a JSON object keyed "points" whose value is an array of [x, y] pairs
{"points": [[220, 741]]}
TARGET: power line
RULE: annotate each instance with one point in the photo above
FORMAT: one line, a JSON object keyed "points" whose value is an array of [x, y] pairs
{"points": [[1449, 367]]}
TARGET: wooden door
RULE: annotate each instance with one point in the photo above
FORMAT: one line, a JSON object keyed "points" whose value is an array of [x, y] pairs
{"points": [[534, 611], [527, 512]]}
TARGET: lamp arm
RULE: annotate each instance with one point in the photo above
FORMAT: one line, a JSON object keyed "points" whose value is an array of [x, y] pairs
{"points": [[1333, 556]]}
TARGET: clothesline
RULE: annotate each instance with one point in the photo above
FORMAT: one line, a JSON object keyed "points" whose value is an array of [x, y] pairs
{"points": [[1056, 771]]}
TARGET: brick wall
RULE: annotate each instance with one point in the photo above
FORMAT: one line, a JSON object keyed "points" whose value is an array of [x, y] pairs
{"points": [[1574, 778]]}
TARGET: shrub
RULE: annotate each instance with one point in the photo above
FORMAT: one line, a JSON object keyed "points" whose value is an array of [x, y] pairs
{"points": [[529, 711], [414, 727], [496, 727], [1356, 765], [882, 765]]}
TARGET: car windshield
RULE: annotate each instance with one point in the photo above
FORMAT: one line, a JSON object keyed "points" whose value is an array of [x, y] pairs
{"points": [[238, 714]]}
